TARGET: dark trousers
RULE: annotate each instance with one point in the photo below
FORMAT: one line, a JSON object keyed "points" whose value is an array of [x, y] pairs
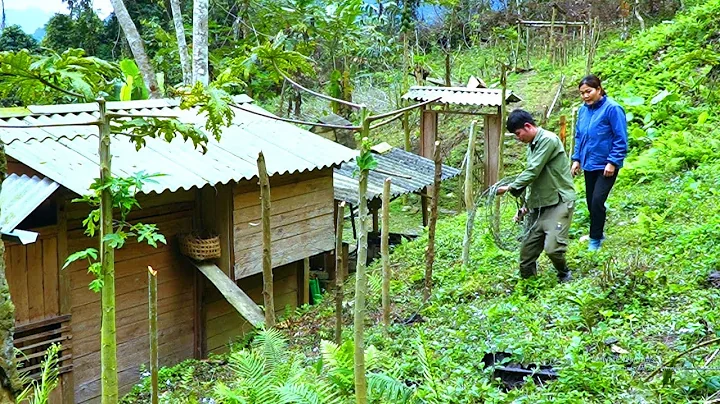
{"points": [[597, 189], [549, 227]]}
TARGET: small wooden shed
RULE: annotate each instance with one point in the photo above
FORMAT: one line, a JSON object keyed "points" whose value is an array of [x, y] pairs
{"points": [[216, 191]]}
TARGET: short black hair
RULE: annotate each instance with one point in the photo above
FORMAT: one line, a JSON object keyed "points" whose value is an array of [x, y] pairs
{"points": [[517, 120]]}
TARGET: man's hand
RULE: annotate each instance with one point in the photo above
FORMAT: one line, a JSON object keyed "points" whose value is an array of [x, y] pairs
{"points": [[502, 190], [575, 169], [520, 214], [609, 170]]}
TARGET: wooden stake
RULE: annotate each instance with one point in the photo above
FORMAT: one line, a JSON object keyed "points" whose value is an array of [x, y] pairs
{"points": [[339, 272], [152, 320], [469, 197], [430, 254], [552, 36], [268, 298], [385, 253], [572, 133], [563, 129]]}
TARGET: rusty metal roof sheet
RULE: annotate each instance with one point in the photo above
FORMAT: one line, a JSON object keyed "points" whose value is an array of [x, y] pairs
{"points": [[69, 155], [20, 196], [484, 97], [408, 171]]}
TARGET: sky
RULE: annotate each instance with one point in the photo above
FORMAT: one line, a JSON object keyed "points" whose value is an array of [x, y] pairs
{"points": [[33, 14], [103, 7]]}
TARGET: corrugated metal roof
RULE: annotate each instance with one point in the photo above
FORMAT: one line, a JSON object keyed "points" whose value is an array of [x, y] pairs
{"points": [[485, 97], [408, 171], [20, 196], [69, 155]]}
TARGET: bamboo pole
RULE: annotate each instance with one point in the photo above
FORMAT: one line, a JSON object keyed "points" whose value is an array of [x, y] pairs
{"points": [[360, 275], [268, 298], [108, 342], [339, 272], [430, 253], [385, 253], [152, 320], [469, 199]]}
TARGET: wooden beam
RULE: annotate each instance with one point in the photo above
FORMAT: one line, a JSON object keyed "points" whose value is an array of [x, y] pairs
{"points": [[232, 293]]}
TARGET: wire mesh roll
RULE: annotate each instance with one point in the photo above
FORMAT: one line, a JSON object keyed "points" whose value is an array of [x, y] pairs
{"points": [[499, 212]]}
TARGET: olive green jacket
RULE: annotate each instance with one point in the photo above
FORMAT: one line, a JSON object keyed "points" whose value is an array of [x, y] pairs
{"points": [[547, 174]]}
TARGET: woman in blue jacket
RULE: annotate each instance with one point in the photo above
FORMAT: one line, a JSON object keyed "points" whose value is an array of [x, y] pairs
{"points": [[600, 148]]}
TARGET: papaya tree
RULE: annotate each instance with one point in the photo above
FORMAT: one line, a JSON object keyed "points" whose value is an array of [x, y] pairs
{"points": [[73, 77]]}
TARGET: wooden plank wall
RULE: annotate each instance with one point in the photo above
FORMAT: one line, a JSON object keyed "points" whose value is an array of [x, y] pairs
{"points": [[223, 324], [32, 274], [301, 222], [172, 212]]}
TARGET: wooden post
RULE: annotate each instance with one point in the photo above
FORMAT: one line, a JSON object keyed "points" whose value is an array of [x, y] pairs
{"points": [[428, 135], [385, 253], [152, 320], [493, 138], [552, 35], [406, 130], [563, 129], [108, 344], [430, 254], [268, 298], [469, 196], [339, 271], [360, 275], [306, 281], [503, 116]]}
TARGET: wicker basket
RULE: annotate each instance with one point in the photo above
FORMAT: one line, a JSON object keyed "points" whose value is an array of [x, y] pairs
{"points": [[200, 246]]}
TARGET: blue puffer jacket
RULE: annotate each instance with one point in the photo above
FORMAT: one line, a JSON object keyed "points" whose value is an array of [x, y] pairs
{"points": [[601, 135]]}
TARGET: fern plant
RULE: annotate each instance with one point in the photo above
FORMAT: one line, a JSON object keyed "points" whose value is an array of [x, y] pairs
{"points": [[269, 373], [38, 391]]}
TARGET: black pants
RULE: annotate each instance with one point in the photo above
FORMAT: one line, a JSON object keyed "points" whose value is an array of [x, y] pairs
{"points": [[597, 189]]}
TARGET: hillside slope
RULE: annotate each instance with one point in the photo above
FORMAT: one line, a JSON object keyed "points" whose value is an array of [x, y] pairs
{"points": [[641, 301]]}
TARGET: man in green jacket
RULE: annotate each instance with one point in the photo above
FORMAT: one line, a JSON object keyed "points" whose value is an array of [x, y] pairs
{"points": [[550, 195]]}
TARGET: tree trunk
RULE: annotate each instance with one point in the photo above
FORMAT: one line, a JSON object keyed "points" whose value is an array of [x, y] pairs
{"points": [[108, 342], [10, 385], [339, 272], [200, 42], [430, 254], [182, 43], [360, 275], [385, 253], [152, 319], [268, 298], [469, 196], [136, 47], [638, 16]]}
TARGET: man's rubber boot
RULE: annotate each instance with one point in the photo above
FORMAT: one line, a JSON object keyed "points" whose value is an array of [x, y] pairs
{"points": [[564, 276]]}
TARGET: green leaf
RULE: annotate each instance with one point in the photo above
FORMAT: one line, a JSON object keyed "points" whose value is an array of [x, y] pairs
{"points": [[659, 97], [629, 117], [703, 117], [89, 253], [115, 240], [633, 101], [96, 285]]}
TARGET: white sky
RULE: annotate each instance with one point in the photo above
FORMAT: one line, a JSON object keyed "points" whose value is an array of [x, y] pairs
{"points": [[102, 7]]}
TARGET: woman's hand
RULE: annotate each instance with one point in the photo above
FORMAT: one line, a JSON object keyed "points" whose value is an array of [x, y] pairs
{"points": [[609, 170], [575, 169]]}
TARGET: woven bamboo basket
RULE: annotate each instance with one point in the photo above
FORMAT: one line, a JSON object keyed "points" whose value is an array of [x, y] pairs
{"points": [[200, 246]]}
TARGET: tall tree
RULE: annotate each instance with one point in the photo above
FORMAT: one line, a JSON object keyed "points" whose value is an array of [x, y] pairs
{"points": [[200, 41], [13, 38], [182, 43], [136, 46]]}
